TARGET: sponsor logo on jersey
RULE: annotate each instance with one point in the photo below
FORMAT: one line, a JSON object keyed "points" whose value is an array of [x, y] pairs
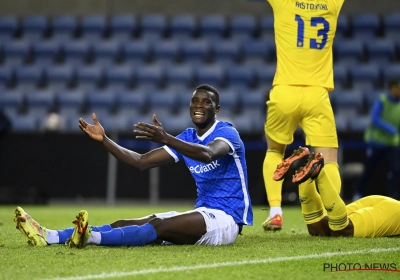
{"points": [[203, 168]]}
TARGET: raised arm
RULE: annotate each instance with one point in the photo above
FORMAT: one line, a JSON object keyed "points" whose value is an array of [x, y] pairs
{"points": [[135, 160], [156, 133]]}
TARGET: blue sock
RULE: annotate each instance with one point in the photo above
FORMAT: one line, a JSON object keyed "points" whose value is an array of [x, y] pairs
{"points": [[65, 234], [129, 236], [101, 228]]}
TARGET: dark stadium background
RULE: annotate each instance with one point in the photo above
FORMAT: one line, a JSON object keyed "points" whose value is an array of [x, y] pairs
{"points": [[40, 166]]}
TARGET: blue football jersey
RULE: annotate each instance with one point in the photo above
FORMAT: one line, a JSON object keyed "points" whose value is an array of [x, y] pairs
{"points": [[221, 184]]}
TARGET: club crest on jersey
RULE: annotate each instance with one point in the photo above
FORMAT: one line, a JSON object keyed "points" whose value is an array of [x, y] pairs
{"points": [[202, 168]]}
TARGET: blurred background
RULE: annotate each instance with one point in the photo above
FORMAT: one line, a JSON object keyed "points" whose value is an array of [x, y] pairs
{"points": [[127, 59]]}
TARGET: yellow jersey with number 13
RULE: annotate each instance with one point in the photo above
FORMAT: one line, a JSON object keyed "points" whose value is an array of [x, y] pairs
{"points": [[304, 33]]}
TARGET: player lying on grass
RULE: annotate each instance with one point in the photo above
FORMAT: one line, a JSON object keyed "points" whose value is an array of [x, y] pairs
{"points": [[371, 216], [214, 154]]}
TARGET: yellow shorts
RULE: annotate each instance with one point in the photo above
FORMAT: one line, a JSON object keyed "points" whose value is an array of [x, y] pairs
{"points": [[375, 216], [307, 106]]}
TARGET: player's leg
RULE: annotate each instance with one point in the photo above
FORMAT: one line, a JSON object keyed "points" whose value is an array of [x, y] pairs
{"points": [[273, 158], [78, 235], [375, 216], [312, 209], [202, 226], [281, 122], [199, 226], [318, 123], [130, 232], [319, 126], [333, 203], [95, 236], [311, 204], [130, 235], [140, 221], [185, 228], [331, 166]]}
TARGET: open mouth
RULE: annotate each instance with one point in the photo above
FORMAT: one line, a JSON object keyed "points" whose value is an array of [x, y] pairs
{"points": [[197, 113]]}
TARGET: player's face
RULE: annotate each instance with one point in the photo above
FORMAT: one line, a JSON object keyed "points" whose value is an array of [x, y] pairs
{"points": [[203, 108]]}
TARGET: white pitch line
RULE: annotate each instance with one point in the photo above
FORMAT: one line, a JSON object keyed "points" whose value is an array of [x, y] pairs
{"points": [[214, 265]]}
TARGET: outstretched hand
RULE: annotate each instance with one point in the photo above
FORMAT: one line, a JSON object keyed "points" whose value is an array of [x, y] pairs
{"points": [[95, 131], [155, 133]]}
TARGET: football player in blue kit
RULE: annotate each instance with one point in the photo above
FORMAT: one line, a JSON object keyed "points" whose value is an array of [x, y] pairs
{"points": [[215, 155]]}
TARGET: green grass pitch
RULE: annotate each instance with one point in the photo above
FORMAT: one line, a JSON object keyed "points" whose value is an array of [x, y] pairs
{"points": [[288, 254]]}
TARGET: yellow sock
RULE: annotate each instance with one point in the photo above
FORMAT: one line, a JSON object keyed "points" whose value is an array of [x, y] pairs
{"points": [[332, 171], [311, 203], [333, 203], [272, 187]]}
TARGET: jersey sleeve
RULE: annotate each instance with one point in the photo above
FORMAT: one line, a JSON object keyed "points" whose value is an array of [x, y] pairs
{"points": [[229, 135], [176, 155]]}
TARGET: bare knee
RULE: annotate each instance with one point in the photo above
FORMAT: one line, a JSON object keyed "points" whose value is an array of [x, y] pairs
{"points": [[156, 221], [330, 154], [160, 225]]}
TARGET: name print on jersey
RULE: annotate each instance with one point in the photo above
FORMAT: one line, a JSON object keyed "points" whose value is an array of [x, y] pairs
{"points": [[202, 168], [308, 6]]}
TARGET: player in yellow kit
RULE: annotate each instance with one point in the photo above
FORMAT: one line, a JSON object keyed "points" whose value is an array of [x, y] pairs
{"points": [[304, 35], [371, 216]]}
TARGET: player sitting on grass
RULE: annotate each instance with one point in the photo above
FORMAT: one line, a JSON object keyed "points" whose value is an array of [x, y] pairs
{"points": [[214, 154], [371, 216]]}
